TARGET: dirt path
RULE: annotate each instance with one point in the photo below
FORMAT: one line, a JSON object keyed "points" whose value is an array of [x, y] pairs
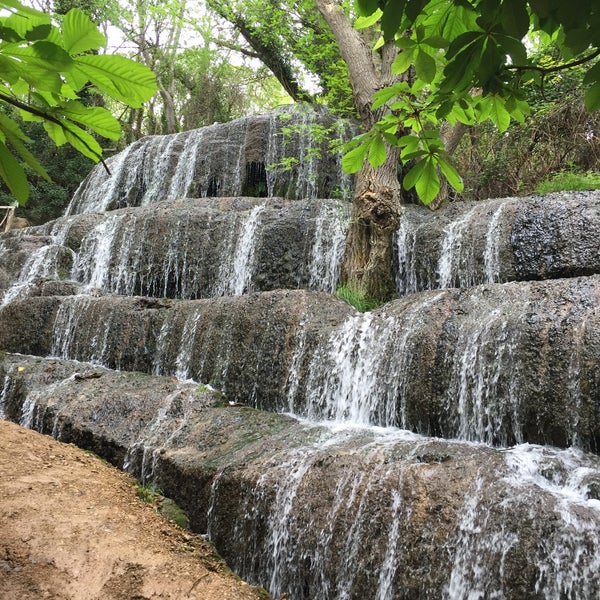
{"points": [[73, 528]]}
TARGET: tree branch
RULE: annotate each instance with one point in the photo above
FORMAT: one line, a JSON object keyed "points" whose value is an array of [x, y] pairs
{"points": [[546, 70], [52, 119]]}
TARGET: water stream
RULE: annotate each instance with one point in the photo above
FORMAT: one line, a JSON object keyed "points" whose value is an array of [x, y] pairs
{"points": [[367, 497]]}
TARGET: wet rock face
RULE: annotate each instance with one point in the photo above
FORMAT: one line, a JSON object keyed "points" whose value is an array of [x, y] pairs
{"points": [[470, 243], [209, 247], [186, 249], [284, 153], [502, 364], [557, 236], [368, 512]]}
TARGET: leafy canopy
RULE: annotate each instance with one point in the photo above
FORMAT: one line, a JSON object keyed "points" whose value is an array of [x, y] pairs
{"points": [[44, 70], [465, 61]]}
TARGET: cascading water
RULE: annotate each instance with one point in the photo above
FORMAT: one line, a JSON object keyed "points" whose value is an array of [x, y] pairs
{"points": [[239, 279], [348, 508], [216, 160]]}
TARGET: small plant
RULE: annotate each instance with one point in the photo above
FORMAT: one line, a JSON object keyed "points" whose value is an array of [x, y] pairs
{"points": [[569, 181], [166, 507], [357, 298], [148, 492]]}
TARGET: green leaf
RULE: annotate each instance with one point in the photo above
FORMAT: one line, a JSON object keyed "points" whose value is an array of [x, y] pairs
{"points": [[55, 132], [414, 8], [428, 184], [39, 32], [353, 161], [368, 21], [9, 35], [83, 142], [407, 156], [451, 174], [377, 152], [578, 40], [436, 41], [413, 175], [80, 34], [391, 18], [493, 108], [593, 74], [409, 142], [52, 55], [454, 20], [13, 175], [119, 77], [366, 7], [463, 41], [403, 61], [514, 47], [41, 78], [9, 70], [23, 21], [13, 134], [425, 66], [515, 18], [592, 98], [490, 64], [94, 117]]}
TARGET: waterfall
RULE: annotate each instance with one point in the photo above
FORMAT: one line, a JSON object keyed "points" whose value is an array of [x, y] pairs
{"points": [[405, 240], [455, 263], [286, 150], [360, 374], [484, 385], [491, 255], [244, 253], [407, 464], [49, 261], [328, 248], [567, 559]]}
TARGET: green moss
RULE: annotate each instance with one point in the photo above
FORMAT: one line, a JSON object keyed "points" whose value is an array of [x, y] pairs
{"points": [[164, 506]]}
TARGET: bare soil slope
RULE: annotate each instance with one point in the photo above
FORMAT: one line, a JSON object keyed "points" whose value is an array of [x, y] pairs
{"points": [[73, 528]]}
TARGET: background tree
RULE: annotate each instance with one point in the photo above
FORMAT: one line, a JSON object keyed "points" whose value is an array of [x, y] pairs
{"points": [[293, 40], [44, 68]]}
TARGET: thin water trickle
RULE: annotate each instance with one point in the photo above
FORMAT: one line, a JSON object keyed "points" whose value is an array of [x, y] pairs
{"points": [[328, 248], [3, 395], [455, 265], [241, 275], [491, 255]]}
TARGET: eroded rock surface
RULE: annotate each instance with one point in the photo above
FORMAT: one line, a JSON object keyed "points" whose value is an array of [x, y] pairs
{"points": [[500, 363], [368, 510]]}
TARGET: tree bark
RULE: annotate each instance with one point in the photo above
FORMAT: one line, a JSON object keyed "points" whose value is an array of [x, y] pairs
{"points": [[367, 265]]}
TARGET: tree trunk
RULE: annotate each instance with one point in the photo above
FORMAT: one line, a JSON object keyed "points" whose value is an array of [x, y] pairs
{"points": [[367, 265]]}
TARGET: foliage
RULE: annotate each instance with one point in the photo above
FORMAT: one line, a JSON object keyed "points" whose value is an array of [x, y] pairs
{"points": [[467, 63], [358, 298], [560, 135], [65, 166], [569, 180], [291, 38], [44, 70]]}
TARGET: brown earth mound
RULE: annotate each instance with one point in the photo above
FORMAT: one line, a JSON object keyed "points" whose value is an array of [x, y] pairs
{"points": [[73, 528]]}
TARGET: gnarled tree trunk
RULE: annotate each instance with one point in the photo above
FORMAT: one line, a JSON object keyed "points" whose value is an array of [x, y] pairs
{"points": [[376, 211], [375, 218]]}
